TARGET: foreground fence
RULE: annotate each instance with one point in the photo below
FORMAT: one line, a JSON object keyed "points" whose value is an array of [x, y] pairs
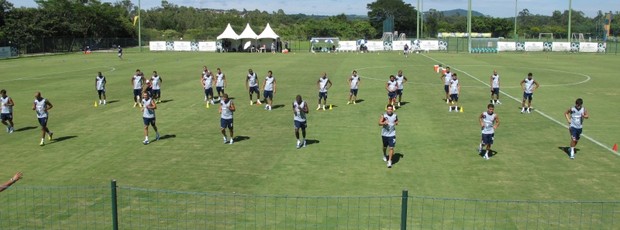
{"points": [[137, 208]]}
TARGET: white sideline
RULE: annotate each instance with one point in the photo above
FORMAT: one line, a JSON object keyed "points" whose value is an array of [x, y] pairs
{"points": [[538, 111]]}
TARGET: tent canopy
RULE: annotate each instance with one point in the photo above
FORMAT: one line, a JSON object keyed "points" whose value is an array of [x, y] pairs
{"points": [[268, 33], [247, 33], [228, 33]]}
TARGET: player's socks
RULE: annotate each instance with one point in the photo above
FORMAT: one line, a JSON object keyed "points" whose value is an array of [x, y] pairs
{"points": [[298, 143], [486, 155], [42, 142], [49, 135], [349, 102], [385, 157], [303, 142], [156, 135], [225, 140], [480, 148], [251, 102]]}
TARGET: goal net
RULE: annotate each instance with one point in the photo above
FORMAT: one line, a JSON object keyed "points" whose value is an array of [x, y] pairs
{"points": [[484, 45], [545, 36]]}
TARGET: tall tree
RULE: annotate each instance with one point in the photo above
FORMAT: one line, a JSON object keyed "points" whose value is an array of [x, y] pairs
{"points": [[404, 15]]}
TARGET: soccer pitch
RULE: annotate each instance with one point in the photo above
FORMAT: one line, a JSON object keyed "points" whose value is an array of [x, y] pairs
{"points": [[437, 149]]}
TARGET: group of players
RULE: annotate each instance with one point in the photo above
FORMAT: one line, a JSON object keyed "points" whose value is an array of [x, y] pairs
{"points": [[147, 94]]}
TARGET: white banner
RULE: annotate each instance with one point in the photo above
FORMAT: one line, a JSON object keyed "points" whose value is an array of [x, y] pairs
{"points": [[589, 47], [400, 45], [431, 45], [533, 46], [506, 46], [182, 46], [374, 45], [207, 46], [157, 46], [347, 46], [560, 46]]}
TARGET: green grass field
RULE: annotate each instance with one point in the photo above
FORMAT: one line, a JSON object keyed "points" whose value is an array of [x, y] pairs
{"points": [[439, 159]]}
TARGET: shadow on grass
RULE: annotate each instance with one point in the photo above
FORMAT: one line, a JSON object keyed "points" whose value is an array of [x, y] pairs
{"points": [[25, 128], [566, 150], [60, 139], [312, 141], [112, 101], [491, 153], [241, 138], [277, 106], [167, 136], [166, 101]]}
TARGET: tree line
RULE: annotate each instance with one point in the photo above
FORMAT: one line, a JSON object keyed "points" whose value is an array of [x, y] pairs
{"points": [[91, 20]]}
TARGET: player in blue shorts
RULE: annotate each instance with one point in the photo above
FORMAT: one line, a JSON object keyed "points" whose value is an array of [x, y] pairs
{"points": [[495, 88], [401, 79], [6, 111], [137, 82], [529, 85], [391, 86], [41, 106], [148, 116], [323, 84], [300, 109], [388, 122], [574, 116], [489, 121], [251, 84], [100, 82], [354, 83], [227, 108], [269, 89]]}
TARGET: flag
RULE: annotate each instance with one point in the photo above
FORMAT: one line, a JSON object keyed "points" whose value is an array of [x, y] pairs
{"points": [[135, 19]]}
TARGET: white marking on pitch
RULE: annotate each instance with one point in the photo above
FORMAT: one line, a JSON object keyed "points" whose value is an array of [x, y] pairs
{"points": [[537, 110]]}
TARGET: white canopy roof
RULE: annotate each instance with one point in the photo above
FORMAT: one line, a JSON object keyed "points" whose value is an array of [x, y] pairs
{"points": [[247, 33], [228, 33], [268, 33]]}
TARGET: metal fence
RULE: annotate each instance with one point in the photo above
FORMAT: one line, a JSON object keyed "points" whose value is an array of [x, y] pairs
{"points": [[119, 207]]}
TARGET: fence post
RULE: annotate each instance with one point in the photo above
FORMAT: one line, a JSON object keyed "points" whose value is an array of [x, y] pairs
{"points": [[114, 209], [403, 211]]}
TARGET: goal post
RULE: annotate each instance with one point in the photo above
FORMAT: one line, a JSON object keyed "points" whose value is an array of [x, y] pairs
{"points": [[484, 45], [546, 36]]}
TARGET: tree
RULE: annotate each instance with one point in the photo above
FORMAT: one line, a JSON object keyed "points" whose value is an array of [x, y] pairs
{"points": [[404, 15]]}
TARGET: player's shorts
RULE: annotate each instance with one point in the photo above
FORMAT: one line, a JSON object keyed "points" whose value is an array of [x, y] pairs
{"points": [[389, 141], [575, 133], [120, 54], [148, 121], [391, 95], [487, 139], [219, 89], [399, 92], [446, 88], [300, 124], [454, 97], [137, 93], [6, 116], [254, 89], [353, 92], [101, 92], [156, 92], [43, 121], [226, 123], [268, 94], [495, 91], [528, 96], [209, 92], [322, 95]]}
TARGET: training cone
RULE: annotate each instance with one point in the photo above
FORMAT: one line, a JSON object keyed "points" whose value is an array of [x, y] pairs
{"points": [[461, 109], [207, 105], [615, 148], [330, 106], [436, 68], [96, 104]]}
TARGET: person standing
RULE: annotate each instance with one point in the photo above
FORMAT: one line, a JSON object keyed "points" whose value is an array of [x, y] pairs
{"points": [[406, 50], [455, 90], [323, 84], [156, 81], [137, 82], [6, 111], [401, 79], [354, 82], [489, 121], [148, 116], [388, 122], [100, 82], [207, 82], [220, 83], [529, 85], [251, 84], [120, 53], [227, 108], [495, 88], [41, 106], [269, 89], [446, 77], [574, 116], [300, 109], [391, 86]]}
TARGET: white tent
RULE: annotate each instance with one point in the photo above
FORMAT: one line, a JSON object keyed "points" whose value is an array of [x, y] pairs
{"points": [[268, 33], [228, 33], [248, 38]]}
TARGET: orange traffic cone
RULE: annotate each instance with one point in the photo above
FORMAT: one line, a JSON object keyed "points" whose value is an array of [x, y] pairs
{"points": [[615, 148]]}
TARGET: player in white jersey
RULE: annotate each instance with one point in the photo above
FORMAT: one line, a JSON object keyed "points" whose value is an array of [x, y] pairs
{"points": [[489, 121], [269, 89], [100, 86], [406, 50], [120, 52], [495, 88], [574, 116], [391, 86], [227, 108], [529, 85], [445, 77], [220, 83], [388, 122], [251, 84], [455, 90], [354, 83], [401, 79], [6, 111], [300, 109], [137, 82], [207, 82], [323, 84], [148, 116], [41, 106], [156, 81]]}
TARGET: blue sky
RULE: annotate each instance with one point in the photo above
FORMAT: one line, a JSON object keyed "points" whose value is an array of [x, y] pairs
{"points": [[495, 8]]}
